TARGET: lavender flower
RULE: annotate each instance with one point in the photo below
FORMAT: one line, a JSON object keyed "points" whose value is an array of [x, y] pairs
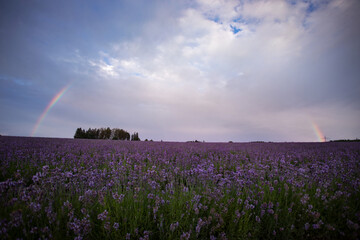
{"points": [[173, 226], [116, 226], [316, 226], [204, 185], [307, 225], [103, 216]]}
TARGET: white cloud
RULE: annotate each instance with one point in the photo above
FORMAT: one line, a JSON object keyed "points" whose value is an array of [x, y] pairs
{"points": [[202, 79]]}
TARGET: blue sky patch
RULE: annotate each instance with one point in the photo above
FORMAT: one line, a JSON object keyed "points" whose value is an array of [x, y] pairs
{"points": [[234, 29], [106, 60]]}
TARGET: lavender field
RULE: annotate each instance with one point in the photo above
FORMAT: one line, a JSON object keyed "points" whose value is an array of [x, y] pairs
{"points": [[103, 189]]}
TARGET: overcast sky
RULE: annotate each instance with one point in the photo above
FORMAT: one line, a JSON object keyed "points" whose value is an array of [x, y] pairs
{"points": [[209, 70]]}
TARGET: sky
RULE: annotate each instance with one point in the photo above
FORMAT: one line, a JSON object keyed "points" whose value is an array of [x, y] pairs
{"points": [[212, 70]]}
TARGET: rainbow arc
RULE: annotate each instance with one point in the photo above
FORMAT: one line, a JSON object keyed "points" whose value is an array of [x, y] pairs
{"points": [[318, 132], [53, 101]]}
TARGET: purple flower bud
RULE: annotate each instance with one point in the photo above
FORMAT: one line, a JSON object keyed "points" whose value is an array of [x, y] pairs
{"points": [[116, 226], [307, 225], [103, 216]]}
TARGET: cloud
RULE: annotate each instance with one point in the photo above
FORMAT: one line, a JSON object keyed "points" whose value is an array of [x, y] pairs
{"points": [[211, 70]]}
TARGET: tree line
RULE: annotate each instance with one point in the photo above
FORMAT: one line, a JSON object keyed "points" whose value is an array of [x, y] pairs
{"points": [[106, 133]]}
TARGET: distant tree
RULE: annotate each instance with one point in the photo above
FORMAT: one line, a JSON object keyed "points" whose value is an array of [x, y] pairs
{"points": [[115, 134], [102, 133], [120, 134], [87, 133], [124, 135], [346, 140], [135, 137], [128, 136], [97, 133], [77, 133], [80, 133], [91, 133], [107, 133]]}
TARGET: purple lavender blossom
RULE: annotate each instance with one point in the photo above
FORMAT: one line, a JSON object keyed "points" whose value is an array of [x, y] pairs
{"points": [[116, 226], [103, 216], [173, 226], [209, 188]]}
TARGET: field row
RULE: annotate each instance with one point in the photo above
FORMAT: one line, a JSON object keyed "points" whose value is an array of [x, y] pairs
{"points": [[92, 189]]}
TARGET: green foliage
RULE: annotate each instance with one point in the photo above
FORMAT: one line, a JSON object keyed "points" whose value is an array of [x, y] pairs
{"points": [[107, 190], [120, 134], [80, 133], [135, 137], [105, 133], [346, 140]]}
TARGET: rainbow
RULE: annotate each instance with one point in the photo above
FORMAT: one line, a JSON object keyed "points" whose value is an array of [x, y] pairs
{"points": [[53, 101], [318, 132]]}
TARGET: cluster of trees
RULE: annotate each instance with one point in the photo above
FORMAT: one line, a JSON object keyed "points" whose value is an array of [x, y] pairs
{"points": [[346, 140], [135, 137], [106, 133]]}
